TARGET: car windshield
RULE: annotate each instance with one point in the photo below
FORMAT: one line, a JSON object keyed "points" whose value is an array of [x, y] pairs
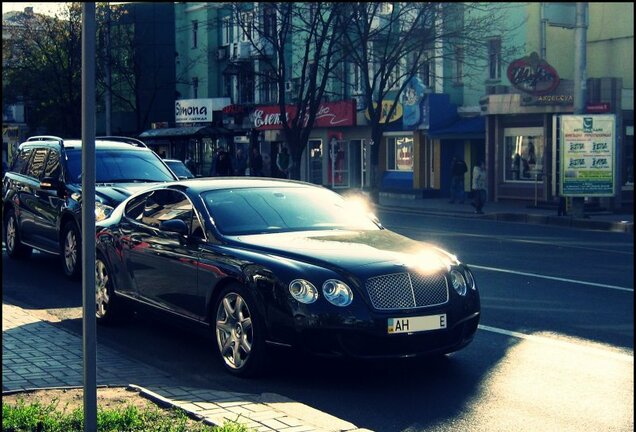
{"points": [[283, 209], [118, 166], [179, 169]]}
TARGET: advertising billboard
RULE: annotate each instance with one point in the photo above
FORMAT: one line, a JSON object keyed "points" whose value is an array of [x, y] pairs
{"points": [[588, 155]]}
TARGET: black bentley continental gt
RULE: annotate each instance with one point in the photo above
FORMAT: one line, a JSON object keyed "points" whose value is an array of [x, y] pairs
{"points": [[262, 261]]}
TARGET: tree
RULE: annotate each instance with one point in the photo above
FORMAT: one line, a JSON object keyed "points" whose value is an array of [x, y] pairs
{"points": [[392, 43], [299, 43], [42, 68]]}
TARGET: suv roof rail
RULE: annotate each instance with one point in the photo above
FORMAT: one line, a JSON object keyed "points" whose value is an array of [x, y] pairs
{"points": [[127, 140], [45, 138]]}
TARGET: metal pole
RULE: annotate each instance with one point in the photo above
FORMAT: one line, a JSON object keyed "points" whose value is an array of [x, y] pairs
{"points": [[88, 216], [580, 81]]}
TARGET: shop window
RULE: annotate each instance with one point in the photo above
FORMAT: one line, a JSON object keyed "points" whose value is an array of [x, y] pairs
{"points": [[400, 153], [523, 155]]}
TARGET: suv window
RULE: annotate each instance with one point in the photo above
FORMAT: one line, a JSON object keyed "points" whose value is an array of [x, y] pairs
{"points": [[53, 168], [119, 165], [36, 167], [21, 162]]}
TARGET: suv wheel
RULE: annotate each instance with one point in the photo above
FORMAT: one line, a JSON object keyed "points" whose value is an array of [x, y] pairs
{"points": [[15, 248], [71, 250], [107, 308]]}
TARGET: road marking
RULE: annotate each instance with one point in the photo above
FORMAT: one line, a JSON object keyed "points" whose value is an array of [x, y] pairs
{"points": [[515, 272], [625, 357]]}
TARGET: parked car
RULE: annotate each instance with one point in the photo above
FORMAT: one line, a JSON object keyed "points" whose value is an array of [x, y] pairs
{"points": [[260, 261], [41, 192], [179, 168]]}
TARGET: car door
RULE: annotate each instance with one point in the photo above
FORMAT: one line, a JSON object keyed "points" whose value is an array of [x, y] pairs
{"points": [[49, 202], [162, 263], [27, 190]]}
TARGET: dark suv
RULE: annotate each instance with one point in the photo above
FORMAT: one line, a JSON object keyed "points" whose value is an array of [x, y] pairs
{"points": [[41, 192]]}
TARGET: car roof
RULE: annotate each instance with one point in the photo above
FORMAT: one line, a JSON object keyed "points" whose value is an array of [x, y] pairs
{"points": [[173, 160], [118, 143], [202, 184]]}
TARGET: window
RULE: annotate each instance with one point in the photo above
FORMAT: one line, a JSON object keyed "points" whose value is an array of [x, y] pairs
{"points": [[195, 29], [246, 26], [399, 153], [195, 87], [164, 205], [21, 162], [226, 31], [356, 79], [36, 167], [523, 154], [269, 21], [458, 68], [494, 59], [628, 157], [53, 168]]}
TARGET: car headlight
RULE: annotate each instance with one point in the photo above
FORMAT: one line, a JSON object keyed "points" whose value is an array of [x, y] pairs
{"points": [[303, 291], [470, 280], [102, 211], [337, 292], [458, 281]]}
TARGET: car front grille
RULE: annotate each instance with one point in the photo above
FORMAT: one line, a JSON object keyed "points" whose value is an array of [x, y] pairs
{"points": [[407, 290]]}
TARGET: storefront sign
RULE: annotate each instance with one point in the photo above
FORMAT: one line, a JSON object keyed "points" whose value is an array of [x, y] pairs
{"points": [[234, 109], [563, 94], [412, 101], [603, 107], [386, 107], [198, 110], [330, 114], [588, 144], [533, 75]]}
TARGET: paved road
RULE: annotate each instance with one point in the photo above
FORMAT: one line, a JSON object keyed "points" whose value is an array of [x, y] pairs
{"points": [[554, 351]]}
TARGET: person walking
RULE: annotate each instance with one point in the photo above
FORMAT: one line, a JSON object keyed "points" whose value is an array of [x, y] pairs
{"points": [[240, 163], [256, 163], [458, 169], [479, 187], [224, 164], [283, 162]]}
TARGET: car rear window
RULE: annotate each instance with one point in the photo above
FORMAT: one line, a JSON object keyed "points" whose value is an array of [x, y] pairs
{"points": [[120, 166]]}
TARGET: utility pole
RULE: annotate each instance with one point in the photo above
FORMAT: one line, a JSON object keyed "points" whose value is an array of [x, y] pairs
{"points": [[580, 82], [107, 72], [88, 217]]}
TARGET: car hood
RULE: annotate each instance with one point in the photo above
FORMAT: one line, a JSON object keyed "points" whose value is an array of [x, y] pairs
{"points": [[114, 193], [350, 249]]}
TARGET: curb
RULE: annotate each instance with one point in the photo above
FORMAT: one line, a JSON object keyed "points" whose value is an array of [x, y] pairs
{"points": [[563, 221]]}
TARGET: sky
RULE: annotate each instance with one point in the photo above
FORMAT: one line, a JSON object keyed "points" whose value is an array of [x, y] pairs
{"points": [[43, 8]]}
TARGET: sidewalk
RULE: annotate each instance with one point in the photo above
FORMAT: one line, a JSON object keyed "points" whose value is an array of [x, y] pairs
{"points": [[37, 354], [508, 211]]}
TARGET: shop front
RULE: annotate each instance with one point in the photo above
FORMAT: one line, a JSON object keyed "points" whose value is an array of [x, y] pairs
{"points": [[523, 133], [336, 153], [197, 135]]}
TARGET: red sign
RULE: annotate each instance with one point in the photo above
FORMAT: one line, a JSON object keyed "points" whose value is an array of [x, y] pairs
{"points": [[533, 75], [234, 109], [330, 114], [603, 107]]}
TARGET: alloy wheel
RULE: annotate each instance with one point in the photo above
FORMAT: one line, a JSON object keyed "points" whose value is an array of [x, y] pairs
{"points": [[70, 251], [102, 298], [11, 233], [234, 331]]}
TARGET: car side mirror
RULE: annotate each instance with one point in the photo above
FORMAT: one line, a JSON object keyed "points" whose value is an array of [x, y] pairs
{"points": [[174, 225]]}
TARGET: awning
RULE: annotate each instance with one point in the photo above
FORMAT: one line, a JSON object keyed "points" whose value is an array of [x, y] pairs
{"points": [[461, 128], [183, 131]]}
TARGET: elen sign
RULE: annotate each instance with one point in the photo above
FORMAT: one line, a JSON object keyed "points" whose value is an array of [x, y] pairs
{"points": [[588, 155], [330, 114]]}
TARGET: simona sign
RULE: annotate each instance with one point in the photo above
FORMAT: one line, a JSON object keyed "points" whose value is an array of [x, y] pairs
{"points": [[588, 155], [198, 110]]}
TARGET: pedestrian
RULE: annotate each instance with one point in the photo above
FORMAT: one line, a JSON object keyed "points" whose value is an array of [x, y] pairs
{"points": [[458, 169], [479, 187], [256, 163], [283, 162], [190, 164], [240, 163], [223, 166]]}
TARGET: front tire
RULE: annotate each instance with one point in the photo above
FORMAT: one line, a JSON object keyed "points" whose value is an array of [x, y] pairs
{"points": [[107, 310], [71, 251], [15, 248], [239, 335]]}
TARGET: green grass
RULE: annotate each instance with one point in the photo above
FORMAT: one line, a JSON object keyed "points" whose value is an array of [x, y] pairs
{"points": [[36, 417]]}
